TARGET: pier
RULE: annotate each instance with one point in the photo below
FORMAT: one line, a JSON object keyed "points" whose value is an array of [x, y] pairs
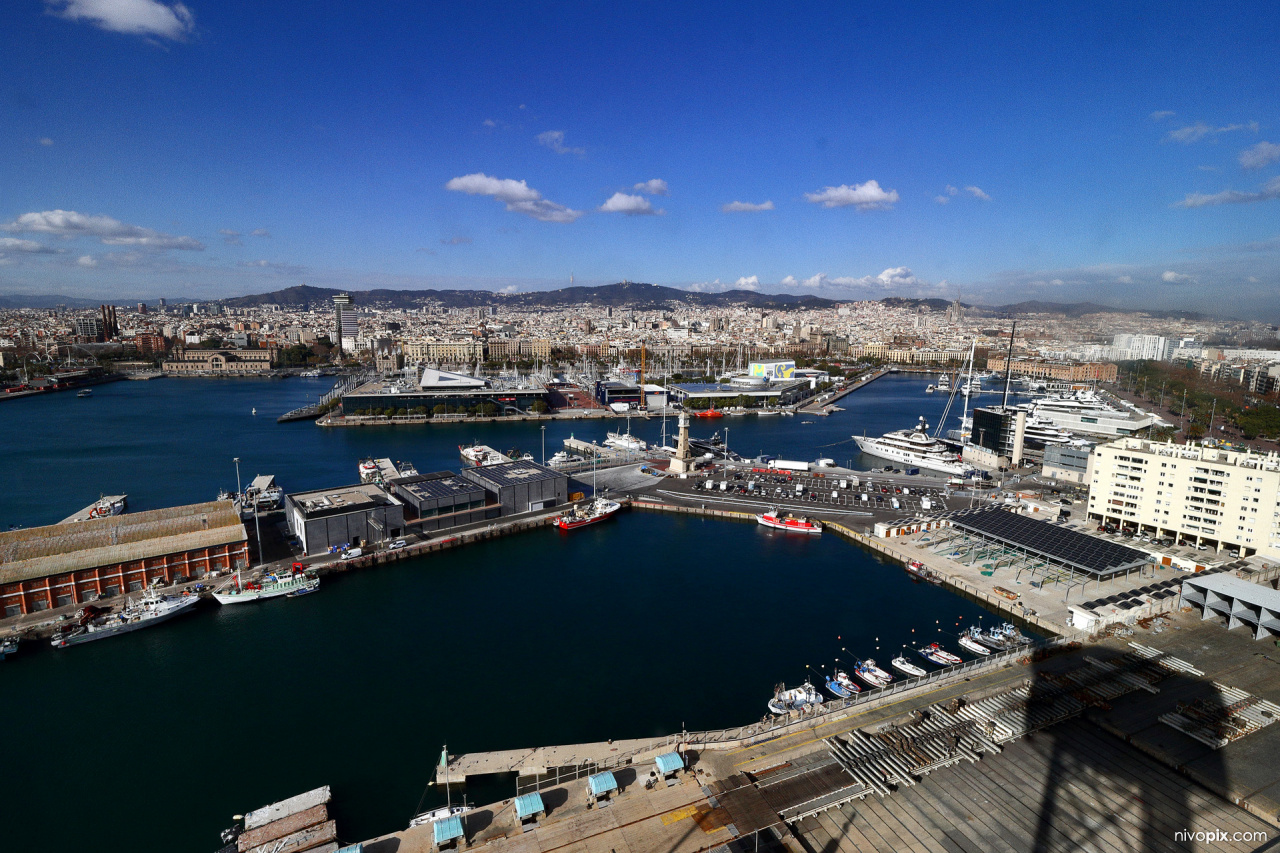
{"points": [[814, 407], [91, 511], [938, 764]]}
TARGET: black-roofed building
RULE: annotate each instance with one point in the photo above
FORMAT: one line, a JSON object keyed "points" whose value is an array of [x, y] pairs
{"points": [[354, 516], [521, 486], [444, 499]]}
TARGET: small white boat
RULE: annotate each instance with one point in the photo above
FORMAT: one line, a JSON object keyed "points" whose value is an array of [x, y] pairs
{"points": [[872, 674], [905, 666], [438, 814], [802, 698], [935, 653], [969, 644], [842, 686], [564, 458]]}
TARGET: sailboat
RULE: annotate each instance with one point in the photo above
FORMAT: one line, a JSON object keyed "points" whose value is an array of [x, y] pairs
{"points": [[598, 510], [448, 809]]}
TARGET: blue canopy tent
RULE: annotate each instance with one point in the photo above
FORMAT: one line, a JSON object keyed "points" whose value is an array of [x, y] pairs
{"points": [[601, 785], [669, 763], [447, 829], [529, 807]]}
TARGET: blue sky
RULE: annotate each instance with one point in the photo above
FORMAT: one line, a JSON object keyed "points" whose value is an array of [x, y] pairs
{"points": [[1000, 151]]}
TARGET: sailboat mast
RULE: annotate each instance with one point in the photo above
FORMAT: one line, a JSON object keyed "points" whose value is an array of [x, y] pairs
{"points": [[1008, 367]]}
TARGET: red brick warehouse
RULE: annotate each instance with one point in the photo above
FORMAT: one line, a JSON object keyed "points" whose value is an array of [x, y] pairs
{"points": [[62, 564]]}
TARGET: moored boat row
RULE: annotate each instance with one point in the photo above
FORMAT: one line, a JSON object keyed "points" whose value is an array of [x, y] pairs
{"points": [[839, 684]]}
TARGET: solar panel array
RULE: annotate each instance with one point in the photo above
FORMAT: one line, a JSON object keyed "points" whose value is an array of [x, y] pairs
{"points": [[1067, 547]]}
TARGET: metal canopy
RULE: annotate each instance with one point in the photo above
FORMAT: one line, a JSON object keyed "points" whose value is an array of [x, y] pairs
{"points": [[1078, 551]]}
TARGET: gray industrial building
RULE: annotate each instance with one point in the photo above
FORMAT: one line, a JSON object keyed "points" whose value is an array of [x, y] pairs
{"points": [[521, 486], [355, 516], [443, 499]]}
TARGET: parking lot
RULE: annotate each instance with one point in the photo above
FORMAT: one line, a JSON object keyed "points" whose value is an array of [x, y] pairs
{"points": [[830, 490]]}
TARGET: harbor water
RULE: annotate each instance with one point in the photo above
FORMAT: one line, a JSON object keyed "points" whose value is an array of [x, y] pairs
{"points": [[641, 626]]}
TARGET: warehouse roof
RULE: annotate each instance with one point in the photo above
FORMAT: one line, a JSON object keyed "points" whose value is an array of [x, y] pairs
{"points": [[38, 552], [342, 499], [511, 474], [442, 484]]}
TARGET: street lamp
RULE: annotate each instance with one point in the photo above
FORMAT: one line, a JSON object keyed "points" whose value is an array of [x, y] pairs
{"points": [[544, 444], [239, 491]]}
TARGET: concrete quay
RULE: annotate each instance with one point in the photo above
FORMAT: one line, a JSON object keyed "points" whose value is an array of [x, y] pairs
{"points": [[813, 407], [1075, 758]]}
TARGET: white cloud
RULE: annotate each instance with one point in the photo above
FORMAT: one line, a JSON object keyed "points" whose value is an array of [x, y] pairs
{"points": [[1195, 132], [1262, 154], [489, 123], [751, 282], [510, 288], [897, 277], [977, 193], [1161, 115], [868, 196], [631, 205], [172, 21], [259, 232], [518, 196], [657, 186], [46, 141], [112, 232], [789, 281], [31, 247], [815, 280], [1270, 190], [942, 199], [230, 237], [1124, 279], [274, 266], [1171, 277], [952, 190], [87, 261], [554, 139], [746, 207]]}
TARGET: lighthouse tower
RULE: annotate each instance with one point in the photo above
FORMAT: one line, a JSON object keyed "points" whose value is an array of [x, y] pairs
{"points": [[682, 463]]}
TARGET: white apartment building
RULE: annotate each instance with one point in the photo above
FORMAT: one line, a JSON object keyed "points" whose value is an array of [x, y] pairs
{"points": [[1138, 347], [1224, 499]]}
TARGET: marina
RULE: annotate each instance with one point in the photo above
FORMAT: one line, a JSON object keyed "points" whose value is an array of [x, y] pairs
{"points": [[747, 555]]}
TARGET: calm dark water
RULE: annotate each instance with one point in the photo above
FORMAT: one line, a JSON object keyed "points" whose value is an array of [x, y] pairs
{"points": [[151, 741]]}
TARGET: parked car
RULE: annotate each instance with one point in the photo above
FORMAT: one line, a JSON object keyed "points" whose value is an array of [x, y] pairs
{"points": [[397, 545]]}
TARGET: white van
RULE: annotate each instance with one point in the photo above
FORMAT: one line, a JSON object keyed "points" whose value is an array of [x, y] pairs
{"points": [[835, 496], [352, 553], [893, 502], [844, 484], [925, 503]]}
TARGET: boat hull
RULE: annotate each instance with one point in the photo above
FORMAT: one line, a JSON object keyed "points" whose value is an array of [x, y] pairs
{"points": [[791, 525], [974, 646], [872, 447], [566, 522], [245, 596], [109, 630]]}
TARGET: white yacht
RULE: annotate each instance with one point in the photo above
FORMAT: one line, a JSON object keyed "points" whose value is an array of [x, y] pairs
{"points": [[913, 447], [1085, 411]]}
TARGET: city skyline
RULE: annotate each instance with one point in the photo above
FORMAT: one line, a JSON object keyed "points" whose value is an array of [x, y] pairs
{"points": [[1123, 157]]}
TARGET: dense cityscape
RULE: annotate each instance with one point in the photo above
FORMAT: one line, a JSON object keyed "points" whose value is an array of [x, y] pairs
{"points": [[639, 428]]}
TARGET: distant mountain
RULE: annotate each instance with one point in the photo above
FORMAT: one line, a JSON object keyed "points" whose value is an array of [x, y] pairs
{"points": [[911, 302], [624, 294], [1080, 309], [31, 300]]}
